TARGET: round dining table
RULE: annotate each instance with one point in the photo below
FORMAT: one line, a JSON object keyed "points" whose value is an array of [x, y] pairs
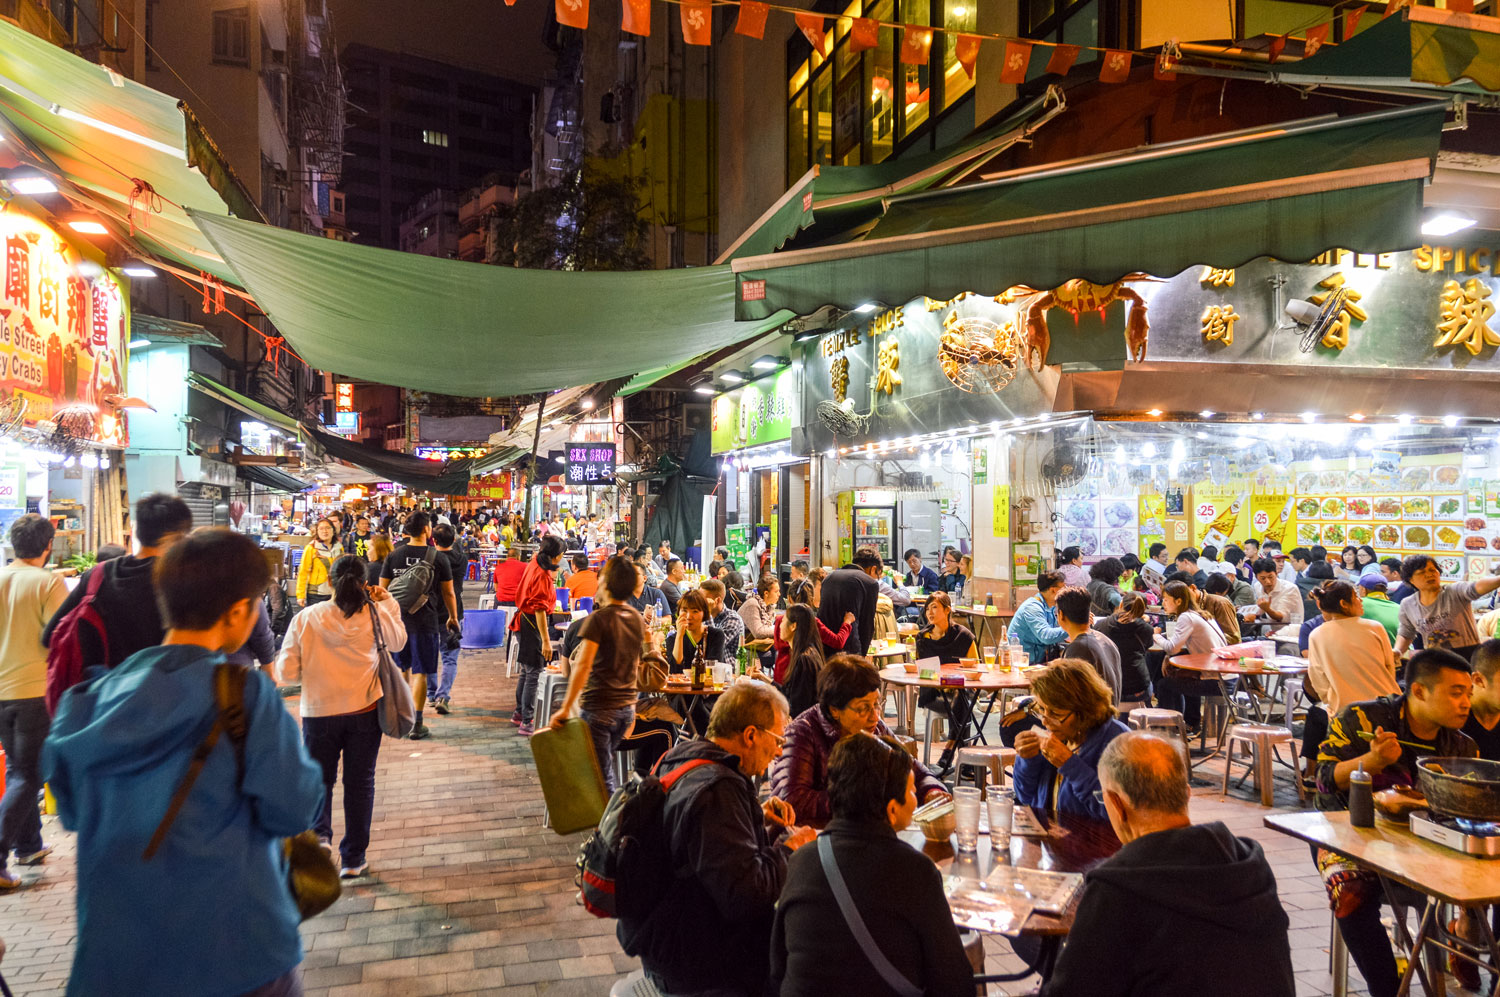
{"points": [[1222, 669], [909, 685]]}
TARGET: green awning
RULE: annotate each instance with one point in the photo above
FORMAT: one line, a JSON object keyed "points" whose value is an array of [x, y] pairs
{"points": [[496, 460], [1290, 192], [450, 477], [1424, 46], [249, 406], [275, 479], [102, 132], [468, 329]]}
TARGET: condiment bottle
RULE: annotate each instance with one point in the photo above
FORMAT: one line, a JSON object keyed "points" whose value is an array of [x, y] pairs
{"points": [[1361, 799]]}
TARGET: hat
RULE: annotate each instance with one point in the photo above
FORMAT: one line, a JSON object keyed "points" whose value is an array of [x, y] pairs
{"points": [[1372, 580], [1278, 555]]}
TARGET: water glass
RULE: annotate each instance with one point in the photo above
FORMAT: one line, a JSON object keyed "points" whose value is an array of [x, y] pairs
{"points": [[1267, 650], [1001, 804], [966, 816], [989, 654]]}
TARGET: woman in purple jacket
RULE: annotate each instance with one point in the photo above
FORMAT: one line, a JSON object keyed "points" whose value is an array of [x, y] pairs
{"points": [[848, 704]]}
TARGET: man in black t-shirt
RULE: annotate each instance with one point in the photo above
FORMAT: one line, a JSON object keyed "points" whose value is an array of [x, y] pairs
{"points": [[1483, 725], [448, 548], [424, 628]]}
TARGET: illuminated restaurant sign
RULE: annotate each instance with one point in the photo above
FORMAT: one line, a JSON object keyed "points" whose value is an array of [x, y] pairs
{"points": [[591, 463]]}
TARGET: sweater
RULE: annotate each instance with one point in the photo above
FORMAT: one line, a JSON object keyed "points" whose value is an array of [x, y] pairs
{"points": [[1035, 777], [1190, 910], [126, 602], [759, 619], [29, 596], [334, 656], [1350, 661]]}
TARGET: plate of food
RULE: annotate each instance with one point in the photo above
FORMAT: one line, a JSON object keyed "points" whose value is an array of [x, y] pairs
{"points": [[1334, 535], [1447, 475], [1448, 507], [1387, 507], [1476, 543], [1118, 514], [1452, 567], [1332, 508], [1358, 507], [1087, 541], [1307, 482], [1308, 508], [1331, 481], [1081, 514], [1307, 534], [1417, 538], [1361, 535], [1446, 538], [1387, 536], [1358, 481], [1118, 542], [1475, 523], [1416, 477], [1416, 507]]}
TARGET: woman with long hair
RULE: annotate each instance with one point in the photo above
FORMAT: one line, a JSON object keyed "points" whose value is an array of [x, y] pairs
{"points": [[331, 647], [807, 592], [380, 549], [1130, 632], [948, 641], [1192, 633], [799, 630], [531, 624], [1348, 568], [313, 583]]}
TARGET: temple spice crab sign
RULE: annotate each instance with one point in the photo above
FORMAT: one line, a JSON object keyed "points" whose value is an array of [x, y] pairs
{"points": [[591, 463], [62, 332]]}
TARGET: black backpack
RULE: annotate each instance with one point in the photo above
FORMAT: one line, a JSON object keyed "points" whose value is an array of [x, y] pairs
{"points": [[625, 865]]}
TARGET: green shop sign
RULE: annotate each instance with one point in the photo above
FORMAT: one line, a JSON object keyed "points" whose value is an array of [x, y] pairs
{"points": [[757, 413]]}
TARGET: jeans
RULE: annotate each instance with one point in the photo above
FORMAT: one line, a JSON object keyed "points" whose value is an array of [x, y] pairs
{"points": [[607, 728], [23, 727], [355, 737], [448, 674], [531, 664], [288, 984]]}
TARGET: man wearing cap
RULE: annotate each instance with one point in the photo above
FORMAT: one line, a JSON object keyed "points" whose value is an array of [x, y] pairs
{"points": [[1378, 606], [1284, 569]]}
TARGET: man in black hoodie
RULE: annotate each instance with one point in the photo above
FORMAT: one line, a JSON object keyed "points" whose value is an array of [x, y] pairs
{"points": [[126, 600], [852, 589], [1180, 909]]}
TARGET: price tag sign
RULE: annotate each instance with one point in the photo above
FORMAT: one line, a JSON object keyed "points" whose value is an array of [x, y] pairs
{"points": [[1261, 521]]}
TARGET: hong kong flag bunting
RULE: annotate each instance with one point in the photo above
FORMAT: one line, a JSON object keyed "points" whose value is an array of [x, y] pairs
{"points": [[697, 23], [635, 17], [813, 30], [1316, 36], [1278, 42], [864, 34], [1063, 57], [1017, 58], [1351, 20], [1392, 6], [916, 44], [1115, 66], [573, 13], [967, 53], [752, 20]]}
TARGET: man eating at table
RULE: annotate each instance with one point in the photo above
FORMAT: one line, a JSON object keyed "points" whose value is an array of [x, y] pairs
{"points": [[1180, 909], [1385, 737]]}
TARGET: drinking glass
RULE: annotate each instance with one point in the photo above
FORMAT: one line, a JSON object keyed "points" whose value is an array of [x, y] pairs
{"points": [[989, 654], [1000, 803], [966, 816]]}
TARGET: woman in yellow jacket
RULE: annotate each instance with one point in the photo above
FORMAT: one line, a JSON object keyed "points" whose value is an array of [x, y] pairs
{"points": [[317, 559]]}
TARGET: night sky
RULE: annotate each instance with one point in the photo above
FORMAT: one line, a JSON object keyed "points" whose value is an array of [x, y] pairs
{"points": [[481, 34]]}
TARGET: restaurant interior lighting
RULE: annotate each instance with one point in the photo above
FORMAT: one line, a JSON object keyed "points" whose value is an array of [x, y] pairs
{"points": [[1404, 419], [1257, 416], [870, 306], [1154, 413], [1446, 223], [87, 227], [1309, 417], [1356, 417], [767, 362], [586, 404], [139, 344], [733, 376], [1207, 413], [1450, 421], [32, 185]]}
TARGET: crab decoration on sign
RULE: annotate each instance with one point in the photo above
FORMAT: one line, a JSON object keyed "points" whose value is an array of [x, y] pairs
{"points": [[1078, 296], [977, 355]]}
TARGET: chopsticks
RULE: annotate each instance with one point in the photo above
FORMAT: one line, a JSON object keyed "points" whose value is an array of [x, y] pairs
{"points": [[1410, 744]]}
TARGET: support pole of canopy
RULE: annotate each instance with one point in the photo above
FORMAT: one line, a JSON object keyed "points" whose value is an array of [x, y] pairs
{"points": [[536, 441]]}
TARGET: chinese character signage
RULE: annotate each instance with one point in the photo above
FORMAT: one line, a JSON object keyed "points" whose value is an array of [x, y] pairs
{"points": [[62, 331], [760, 412], [449, 453], [343, 397], [345, 423], [591, 464]]}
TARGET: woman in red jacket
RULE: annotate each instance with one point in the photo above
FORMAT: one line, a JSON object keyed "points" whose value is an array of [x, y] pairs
{"points": [[807, 593]]}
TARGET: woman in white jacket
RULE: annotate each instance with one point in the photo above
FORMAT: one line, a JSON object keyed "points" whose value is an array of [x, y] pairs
{"points": [[1192, 633], [330, 646]]}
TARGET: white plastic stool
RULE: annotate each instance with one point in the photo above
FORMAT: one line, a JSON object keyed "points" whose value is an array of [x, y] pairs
{"points": [[991, 758], [1163, 721], [1261, 739], [486, 601]]}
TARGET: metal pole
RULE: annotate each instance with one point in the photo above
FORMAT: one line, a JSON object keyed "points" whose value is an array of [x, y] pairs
{"points": [[536, 441]]}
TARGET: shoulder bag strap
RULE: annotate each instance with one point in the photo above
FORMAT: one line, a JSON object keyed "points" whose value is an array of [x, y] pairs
{"points": [[375, 625], [892, 977]]}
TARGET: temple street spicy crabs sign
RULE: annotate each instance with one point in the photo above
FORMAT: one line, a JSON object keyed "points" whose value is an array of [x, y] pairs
{"points": [[591, 463]]}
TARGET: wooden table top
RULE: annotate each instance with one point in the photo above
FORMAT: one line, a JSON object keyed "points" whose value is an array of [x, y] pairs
{"points": [[987, 681], [889, 651], [1084, 844], [988, 613], [1396, 853], [1211, 664]]}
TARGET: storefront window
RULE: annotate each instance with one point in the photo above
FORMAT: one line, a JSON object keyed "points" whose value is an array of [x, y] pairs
{"points": [[958, 16], [916, 81], [822, 104], [880, 73], [796, 137], [1082, 28]]}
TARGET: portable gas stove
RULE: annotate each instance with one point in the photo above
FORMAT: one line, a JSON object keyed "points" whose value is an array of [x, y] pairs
{"points": [[1472, 837]]}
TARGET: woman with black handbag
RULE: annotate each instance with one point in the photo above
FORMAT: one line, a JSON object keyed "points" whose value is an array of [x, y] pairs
{"points": [[331, 646]]}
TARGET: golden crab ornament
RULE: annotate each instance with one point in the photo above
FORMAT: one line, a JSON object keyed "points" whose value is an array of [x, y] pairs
{"points": [[1078, 296]]}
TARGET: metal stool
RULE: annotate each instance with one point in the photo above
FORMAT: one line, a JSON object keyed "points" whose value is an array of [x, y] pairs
{"points": [[985, 757], [1262, 740]]}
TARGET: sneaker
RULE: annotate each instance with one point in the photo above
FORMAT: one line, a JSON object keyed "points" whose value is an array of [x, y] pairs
{"points": [[515, 718], [8, 879], [35, 858], [525, 729], [354, 871], [442, 706], [420, 732]]}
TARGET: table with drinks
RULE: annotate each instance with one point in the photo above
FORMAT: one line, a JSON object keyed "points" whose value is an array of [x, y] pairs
{"points": [[978, 678], [981, 617]]}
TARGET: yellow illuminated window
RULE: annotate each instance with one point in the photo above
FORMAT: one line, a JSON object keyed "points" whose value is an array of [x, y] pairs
{"points": [[916, 81], [958, 15]]}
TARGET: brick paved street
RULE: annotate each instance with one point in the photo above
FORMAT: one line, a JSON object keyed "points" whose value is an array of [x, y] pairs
{"points": [[469, 894]]}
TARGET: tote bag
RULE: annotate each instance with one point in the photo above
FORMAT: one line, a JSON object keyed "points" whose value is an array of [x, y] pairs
{"points": [[397, 711]]}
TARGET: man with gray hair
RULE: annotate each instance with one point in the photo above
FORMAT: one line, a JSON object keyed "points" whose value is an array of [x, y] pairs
{"points": [[1174, 892], [710, 935]]}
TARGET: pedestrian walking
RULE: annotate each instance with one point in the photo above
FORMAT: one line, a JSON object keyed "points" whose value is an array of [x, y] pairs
{"points": [[458, 561], [535, 597], [317, 558], [331, 649], [421, 617]]}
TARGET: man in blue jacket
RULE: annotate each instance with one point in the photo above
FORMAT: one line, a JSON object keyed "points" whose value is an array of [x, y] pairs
{"points": [[209, 915], [1036, 623]]}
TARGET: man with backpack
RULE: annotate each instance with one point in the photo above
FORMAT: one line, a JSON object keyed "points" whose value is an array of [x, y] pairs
{"points": [[448, 546], [418, 577], [708, 932], [182, 884], [112, 613]]}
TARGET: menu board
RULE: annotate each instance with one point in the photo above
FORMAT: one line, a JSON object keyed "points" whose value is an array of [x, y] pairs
{"points": [[1152, 522], [1098, 525]]}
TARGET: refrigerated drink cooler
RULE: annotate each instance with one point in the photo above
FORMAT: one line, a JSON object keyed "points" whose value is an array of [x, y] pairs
{"points": [[876, 518]]}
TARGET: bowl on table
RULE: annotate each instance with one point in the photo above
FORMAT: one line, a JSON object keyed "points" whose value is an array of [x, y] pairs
{"points": [[938, 820], [1461, 787]]}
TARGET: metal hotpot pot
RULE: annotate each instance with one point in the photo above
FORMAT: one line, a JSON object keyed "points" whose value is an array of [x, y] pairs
{"points": [[1461, 787]]}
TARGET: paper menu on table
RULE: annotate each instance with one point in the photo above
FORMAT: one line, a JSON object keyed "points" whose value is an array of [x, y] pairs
{"points": [[978, 908], [1046, 891]]}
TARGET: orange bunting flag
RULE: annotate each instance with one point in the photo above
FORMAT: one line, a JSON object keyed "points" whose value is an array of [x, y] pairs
{"points": [[697, 22], [916, 44], [752, 20], [967, 53], [1017, 58], [510, 3], [573, 13], [1278, 42], [813, 30], [635, 17], [1165, 69], [864, 34], [1063, 57], [1461, 6], [1316, 36], [1394, 5], [915, 94], [1115, 66], [1351, 20]]}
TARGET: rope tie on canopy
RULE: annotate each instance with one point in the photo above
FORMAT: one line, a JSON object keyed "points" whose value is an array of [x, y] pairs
{"points": [[141, 190]]}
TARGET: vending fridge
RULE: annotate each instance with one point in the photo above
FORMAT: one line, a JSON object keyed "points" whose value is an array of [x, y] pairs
{"points": [[867, 517], [919, 526]]}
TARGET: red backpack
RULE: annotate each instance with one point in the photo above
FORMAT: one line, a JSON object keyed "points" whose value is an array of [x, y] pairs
{"points": [[65, 662]]}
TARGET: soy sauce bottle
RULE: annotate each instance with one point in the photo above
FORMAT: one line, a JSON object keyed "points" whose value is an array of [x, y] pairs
{"points": [[698, 667]]}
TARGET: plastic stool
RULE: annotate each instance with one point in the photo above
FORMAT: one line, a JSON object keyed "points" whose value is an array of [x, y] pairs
{"points": [[487, 601], [988, 758], [634, 985], [1262, 740], [1292, 696], [1165, 721], [484, 628], [1215, 709]]}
